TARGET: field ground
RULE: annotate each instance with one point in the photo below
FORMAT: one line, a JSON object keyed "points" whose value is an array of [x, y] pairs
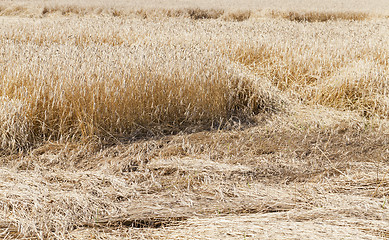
{"points": [[264, 120]]}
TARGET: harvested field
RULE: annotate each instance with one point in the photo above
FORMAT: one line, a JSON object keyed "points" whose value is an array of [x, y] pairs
{"points": [[192, 120]]}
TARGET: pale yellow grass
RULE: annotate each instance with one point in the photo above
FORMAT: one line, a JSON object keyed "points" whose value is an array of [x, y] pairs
{"points": [[178, 120], [120, 79], [123, 78], [341, 65], [378, 6], [195, 185], [310, 10]]}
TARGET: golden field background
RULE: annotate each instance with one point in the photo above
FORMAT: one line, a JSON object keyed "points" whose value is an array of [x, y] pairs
{"points": [[104, 6], [72, 78], [163, 120]]}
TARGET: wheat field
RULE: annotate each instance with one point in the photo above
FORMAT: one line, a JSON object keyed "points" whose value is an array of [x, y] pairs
{"points": [[194, 119]]}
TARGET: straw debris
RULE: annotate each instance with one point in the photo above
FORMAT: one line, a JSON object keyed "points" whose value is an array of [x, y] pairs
{"points": [[193, 120]]}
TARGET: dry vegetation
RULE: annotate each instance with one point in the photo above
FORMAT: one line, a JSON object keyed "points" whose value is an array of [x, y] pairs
{"points": [[161, 120]]}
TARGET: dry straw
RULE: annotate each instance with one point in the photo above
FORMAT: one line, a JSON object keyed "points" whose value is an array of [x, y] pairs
{"points": [[118, 84], [315, 82], [80, 79]]}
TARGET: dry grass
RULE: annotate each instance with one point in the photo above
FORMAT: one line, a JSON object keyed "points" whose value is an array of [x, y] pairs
{"points": [[157, 121], [344, 66], [335, 176], [116, 81], [307, 10], [121, 82]]}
